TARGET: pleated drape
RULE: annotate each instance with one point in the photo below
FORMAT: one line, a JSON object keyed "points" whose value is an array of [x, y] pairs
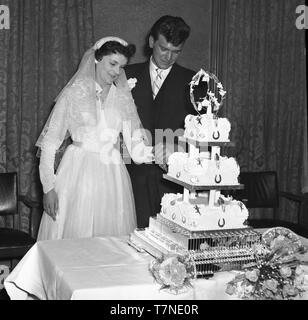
{"points": [[38, 54]]}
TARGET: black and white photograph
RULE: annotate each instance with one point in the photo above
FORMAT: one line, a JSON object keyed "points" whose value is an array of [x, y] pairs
{"points": [[153, 153]]}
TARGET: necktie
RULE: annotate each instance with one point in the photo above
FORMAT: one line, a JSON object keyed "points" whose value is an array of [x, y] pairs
{"points": [[157, 82]]}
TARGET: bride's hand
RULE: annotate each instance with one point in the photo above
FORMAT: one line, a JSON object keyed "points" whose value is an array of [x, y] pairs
{"points": [[50, 202], [162, 153]]}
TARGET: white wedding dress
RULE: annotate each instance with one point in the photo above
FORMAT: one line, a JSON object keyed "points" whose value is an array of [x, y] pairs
{"points": [[92, 183]]}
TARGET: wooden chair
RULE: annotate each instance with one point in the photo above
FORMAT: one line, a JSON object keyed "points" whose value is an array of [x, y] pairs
{"points": [[15, 243], [261, 191]]}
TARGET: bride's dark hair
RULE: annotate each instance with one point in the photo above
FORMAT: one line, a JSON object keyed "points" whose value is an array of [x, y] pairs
{"points": [[111, 47]]}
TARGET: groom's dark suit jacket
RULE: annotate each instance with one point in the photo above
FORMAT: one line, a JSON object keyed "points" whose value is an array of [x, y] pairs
{"points": [[167, 110]]}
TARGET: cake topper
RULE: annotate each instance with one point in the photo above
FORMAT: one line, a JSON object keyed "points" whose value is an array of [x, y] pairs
{"points": [[206, 94]]}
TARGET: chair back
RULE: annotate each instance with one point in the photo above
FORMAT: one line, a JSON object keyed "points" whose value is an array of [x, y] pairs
{"points": [[261, 189], [8, 193]]}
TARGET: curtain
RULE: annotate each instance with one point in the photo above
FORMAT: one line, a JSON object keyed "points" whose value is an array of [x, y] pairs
{"points": [[38, 54], [259, 55]]}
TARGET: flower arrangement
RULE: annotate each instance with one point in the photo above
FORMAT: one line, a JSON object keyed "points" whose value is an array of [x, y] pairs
{"points": [[173, 272], [278, 272], [201, 95]]}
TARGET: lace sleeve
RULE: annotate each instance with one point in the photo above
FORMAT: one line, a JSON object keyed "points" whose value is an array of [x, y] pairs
{"points": [[138, 150], [50, 140], [46, 167], [134, 135]]}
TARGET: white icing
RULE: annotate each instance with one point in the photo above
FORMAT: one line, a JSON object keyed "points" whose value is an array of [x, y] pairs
{"points": [[196, 215], [199, 170], [205, 128]]}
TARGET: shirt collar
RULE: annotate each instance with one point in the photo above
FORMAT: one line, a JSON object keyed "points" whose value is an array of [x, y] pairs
{"points": [[98, 88], [153, 67]]}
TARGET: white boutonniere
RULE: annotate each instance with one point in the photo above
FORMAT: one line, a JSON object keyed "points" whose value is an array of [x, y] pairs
{"points": [[132, 83]]}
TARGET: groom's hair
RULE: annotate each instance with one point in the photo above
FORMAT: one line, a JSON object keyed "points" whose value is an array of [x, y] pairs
{"points": [[111, 47], [174, 29]]}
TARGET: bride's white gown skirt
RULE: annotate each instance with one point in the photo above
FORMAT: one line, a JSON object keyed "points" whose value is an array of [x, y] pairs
{"points": [[95, 197]]}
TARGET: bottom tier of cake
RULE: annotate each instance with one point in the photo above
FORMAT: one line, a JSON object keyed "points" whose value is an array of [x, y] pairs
{"points": [[196, 214], [211, 251]]}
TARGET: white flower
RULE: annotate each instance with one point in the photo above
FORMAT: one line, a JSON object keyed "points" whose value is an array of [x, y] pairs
{"points": [[199, 106], [206, 77], [252, 275], [131, 83], [299, 270], [248, 289], [285, 271], [205, 103], [219, 85], [271, 284]]}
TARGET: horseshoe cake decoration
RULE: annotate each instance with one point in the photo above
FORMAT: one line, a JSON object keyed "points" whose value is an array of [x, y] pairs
{"points": [[221, 224], [218, 178], [216, 135]]}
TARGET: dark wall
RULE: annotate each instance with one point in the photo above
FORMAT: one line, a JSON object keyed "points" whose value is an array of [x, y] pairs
{"points": [[132, 20]]}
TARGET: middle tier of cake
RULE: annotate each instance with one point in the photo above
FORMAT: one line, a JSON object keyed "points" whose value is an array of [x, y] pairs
{"points": [[201, 170]]}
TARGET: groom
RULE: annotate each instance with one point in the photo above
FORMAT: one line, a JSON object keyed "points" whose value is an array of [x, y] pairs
{"points": [[162, 98]]}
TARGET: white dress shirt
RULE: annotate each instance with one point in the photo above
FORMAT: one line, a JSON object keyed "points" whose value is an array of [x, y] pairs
{"points": [[153, 72]]}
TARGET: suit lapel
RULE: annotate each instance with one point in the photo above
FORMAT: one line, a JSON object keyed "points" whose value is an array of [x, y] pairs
{"points": [[159, 99], [146, 80], [169, 79], [144, 96]]}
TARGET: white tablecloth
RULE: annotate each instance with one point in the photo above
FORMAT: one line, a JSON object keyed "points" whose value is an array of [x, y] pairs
{"points": [[97, 268]]}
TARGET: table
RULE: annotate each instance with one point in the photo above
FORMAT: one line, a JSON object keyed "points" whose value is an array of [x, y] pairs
{"points": [[99, 268]]}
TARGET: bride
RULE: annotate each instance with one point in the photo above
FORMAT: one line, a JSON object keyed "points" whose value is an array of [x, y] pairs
{"points": [[91, 194]]}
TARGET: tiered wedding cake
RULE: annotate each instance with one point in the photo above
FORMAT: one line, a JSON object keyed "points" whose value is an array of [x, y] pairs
{"points": [[202, 222]]}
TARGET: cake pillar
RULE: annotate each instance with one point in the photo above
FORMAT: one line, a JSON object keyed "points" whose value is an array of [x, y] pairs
{"points": [[214, 194], [193, 150], [212, 197], [209, 111], [186, 195], [215, 151]]}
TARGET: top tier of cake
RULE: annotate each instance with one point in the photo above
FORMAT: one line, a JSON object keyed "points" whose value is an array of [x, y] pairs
{"points": [[207, 95], [207, 128]]}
